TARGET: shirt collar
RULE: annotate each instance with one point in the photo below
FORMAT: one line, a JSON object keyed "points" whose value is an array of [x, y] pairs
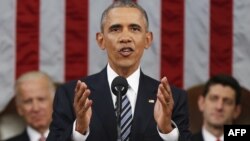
{"points": [[133, 79], [210, 137], [34, 135]]}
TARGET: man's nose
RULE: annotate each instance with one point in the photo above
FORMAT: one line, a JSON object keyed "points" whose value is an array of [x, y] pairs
{"points": [[219, 104], [35, 105], [125, 37]]}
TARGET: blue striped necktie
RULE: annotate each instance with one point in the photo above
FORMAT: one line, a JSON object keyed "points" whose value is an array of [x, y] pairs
{"points": [[126, 118]]}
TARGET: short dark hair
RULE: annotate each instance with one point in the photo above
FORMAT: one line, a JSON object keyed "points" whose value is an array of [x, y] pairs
{"points": [[225, 80], [124, 3]]}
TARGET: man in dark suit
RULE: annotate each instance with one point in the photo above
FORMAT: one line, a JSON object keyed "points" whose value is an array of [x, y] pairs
{"points": [[34, 102], [220, 105], [86, 109]]}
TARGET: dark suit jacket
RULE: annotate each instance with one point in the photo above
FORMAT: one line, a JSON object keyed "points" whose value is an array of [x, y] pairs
{"points": [[21, 137], [197, 137], [103, 120]]}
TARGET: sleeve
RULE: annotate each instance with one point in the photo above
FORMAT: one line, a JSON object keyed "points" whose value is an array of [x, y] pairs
{"points": [[180, 114], [172, 136], [63, 115], [76, 136]]}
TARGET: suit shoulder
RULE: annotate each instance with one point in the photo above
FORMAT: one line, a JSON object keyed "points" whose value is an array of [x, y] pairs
{"points": [[147, 78], [21, 137], [197, 136], [157, 82], [69, 86], [177, 90], [72, 83]]}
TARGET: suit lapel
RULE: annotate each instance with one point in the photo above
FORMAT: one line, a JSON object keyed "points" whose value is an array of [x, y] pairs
{"points": [[103, 106], [25, 135], [144, 107], [197, 136]]}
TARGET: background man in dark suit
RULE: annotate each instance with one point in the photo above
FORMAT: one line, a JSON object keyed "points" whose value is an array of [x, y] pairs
{"points": [[34, 100], [220, 104], [85, 109]]}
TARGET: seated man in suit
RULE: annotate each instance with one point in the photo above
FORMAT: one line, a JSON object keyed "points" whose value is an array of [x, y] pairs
{"points": [[34, 100], [220, 104], [153, 110]]}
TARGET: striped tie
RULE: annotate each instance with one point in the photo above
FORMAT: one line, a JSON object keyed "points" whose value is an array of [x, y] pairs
{"points": [[126, 118]]}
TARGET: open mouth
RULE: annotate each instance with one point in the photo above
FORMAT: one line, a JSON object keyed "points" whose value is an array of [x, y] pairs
{"points": [[126, 51]]}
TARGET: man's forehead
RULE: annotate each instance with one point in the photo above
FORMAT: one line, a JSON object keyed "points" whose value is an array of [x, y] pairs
{"points": [[124, 12], [221, 91], [126, 15], [123, 9]]}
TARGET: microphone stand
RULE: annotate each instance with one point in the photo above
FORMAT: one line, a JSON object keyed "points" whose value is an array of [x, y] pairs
{"points": [[119, 87], [118, 114]]}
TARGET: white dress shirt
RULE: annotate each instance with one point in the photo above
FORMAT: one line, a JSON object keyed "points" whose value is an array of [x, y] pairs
{"points": [[34, 135], [133, 81], [210, 137]]}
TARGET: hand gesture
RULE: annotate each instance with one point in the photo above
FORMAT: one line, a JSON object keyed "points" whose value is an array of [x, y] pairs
{"points": [[164, 107], [82, 107]]}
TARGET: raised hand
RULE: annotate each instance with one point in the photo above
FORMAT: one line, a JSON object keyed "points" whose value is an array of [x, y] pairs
{"points": [[164, 107], [82, 107]]}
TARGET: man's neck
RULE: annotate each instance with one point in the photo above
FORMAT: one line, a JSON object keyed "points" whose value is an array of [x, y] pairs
{"points": [[124, 72], [217, 131]]}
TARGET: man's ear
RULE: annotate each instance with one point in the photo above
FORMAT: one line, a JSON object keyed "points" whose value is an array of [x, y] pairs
{"points": [[201, 101], [19, 110], [237, 111], [100, 40], [149, 39]]}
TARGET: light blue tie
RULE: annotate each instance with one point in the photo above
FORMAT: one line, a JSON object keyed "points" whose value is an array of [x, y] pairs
{"points": [[126, 118]]}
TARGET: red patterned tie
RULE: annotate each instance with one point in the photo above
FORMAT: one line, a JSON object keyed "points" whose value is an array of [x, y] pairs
{"points": [[42, 138], [218, 139]]}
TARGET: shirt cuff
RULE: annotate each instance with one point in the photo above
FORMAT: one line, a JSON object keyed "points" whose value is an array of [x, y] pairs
{"points": [[76, 136], [171, 136]]}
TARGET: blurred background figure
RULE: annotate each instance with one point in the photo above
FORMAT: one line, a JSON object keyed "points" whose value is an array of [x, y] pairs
{"points": [[220, 105], [34, 99]]}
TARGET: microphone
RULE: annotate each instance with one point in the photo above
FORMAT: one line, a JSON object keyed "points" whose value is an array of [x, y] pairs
{"points": [[119, 87]]}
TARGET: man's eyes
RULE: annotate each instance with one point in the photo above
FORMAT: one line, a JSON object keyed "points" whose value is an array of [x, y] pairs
{"points": [[114, 29], [28, 101], [213, 98], [135, 29], [120, 29]]}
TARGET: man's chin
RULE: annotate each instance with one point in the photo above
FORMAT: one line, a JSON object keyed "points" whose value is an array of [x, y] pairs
{"points": [[39, 125], [218, 124]]}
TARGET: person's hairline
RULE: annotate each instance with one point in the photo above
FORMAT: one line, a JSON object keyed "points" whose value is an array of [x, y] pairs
{"points": [[113, 6], [210, 84], [223, 85], [33, 75]]}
